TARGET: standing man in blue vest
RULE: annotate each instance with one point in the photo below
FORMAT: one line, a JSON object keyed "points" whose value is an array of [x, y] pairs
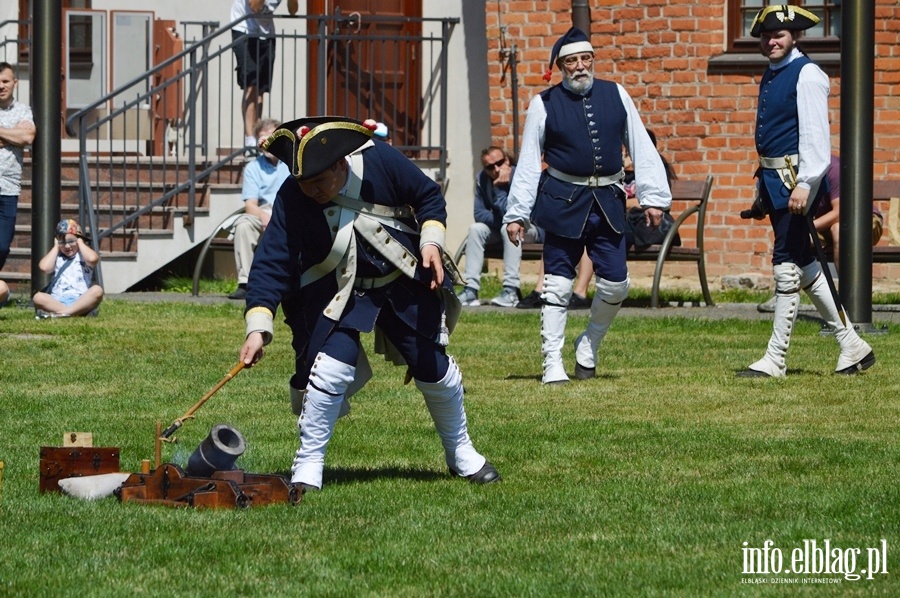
{"points": [[793, 141], [578, 127]]}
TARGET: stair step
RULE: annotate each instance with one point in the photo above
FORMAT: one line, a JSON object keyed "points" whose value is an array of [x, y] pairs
{"points": [[15, 276], [117, 255], [121, 186]]}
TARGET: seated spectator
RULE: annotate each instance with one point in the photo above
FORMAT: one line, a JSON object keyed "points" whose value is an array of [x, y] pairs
{"points": [[263, 177], [72, 291], [827, 219], [491, 188]]}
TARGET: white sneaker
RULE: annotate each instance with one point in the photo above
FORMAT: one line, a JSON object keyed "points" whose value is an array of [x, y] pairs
{"points": [[508, 297], [469, 296]]}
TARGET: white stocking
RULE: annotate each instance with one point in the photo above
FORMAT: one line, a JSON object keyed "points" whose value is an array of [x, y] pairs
{"points": [[444, 400], [328, 382]]}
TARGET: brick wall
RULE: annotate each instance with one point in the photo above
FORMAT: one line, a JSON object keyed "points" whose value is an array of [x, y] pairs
{"points": [[704, 122]]}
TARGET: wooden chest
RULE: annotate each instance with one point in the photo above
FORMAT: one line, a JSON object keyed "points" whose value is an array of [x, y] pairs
{"points": [[58, 463]]}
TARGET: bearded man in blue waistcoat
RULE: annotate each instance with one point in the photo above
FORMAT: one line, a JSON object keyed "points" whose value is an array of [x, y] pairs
{"points": [[356, 244], [793, 141], [578, 128]]}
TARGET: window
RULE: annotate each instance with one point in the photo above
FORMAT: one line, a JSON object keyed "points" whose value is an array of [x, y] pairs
{"points": [[26, 21], [824, 37]]}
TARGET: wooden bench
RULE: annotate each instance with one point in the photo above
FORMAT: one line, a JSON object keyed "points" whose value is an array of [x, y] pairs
{"points": [[695, 193], [888, 191], [217, 240]]}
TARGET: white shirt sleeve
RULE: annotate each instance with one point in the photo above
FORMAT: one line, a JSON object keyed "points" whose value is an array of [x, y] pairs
{"points": [[523, 190], [652, 185], [815, 133]]}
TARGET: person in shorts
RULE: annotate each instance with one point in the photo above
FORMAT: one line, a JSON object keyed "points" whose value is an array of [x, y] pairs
{"points": [[254, 54], [72, 290]]}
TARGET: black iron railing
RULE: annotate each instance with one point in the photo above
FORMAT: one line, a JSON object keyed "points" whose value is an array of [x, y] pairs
{"points": [[184, 125]]}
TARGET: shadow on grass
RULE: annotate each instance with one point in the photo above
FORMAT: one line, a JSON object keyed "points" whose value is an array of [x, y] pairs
{"points": [[537, 378], [343, 475]]}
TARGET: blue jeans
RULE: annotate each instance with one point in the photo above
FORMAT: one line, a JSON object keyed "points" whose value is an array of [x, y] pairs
{"points": [[8, 206]]}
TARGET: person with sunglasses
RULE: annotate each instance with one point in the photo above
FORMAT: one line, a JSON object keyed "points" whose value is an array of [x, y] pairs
{"points": [[491, 190], [578, 127], [72, 290]]}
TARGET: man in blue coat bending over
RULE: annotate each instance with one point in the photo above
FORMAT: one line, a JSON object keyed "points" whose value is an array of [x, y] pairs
{"points": [[355, 244]]}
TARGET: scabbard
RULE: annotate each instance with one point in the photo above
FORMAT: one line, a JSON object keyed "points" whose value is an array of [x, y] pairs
{"points": [[826, 271]]}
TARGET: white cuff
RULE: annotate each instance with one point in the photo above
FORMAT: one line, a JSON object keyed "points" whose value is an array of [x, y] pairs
{"points": [[433, 233], [260, 319]]}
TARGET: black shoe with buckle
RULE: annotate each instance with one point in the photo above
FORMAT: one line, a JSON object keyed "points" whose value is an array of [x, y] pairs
{"points": [[748, 373], [530, 301], [579, 302], [485, 475], [863, 364], [583, 373], [239, 293]]}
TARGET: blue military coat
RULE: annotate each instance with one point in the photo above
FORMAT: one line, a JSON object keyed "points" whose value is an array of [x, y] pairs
{"points": [[298, 237]]}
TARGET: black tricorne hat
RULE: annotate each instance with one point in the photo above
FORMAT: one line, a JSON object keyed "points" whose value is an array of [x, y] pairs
{"points": [[776, 17], [311, 145]]}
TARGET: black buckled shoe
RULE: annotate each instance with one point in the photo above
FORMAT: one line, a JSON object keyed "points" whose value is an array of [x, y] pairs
{"points": [[579, 302], [863, 364], [530, 301], [583, 373], [485, 475], [239, 293], [748, 373]]}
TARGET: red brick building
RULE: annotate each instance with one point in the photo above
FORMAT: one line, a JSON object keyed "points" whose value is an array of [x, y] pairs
{"points": [[695, 82]]}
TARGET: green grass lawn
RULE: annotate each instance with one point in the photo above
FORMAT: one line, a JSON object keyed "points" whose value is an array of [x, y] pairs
{"points": [[647, 480]]}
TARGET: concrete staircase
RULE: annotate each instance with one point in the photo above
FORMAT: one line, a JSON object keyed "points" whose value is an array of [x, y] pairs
{"points": [[150, 242]]}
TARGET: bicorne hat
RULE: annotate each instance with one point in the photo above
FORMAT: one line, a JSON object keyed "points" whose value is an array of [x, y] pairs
{"points": [[309, 146], [776, 17], [573, 41]]}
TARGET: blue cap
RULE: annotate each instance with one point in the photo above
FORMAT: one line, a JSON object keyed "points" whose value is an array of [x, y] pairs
{"points": [[572, 42]]}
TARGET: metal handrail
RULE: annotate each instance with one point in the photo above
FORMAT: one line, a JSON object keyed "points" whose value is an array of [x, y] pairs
{"points": [[193, 81]]}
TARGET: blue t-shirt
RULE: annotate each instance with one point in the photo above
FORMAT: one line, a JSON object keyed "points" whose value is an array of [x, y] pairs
{"points": [[262, 179]]}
